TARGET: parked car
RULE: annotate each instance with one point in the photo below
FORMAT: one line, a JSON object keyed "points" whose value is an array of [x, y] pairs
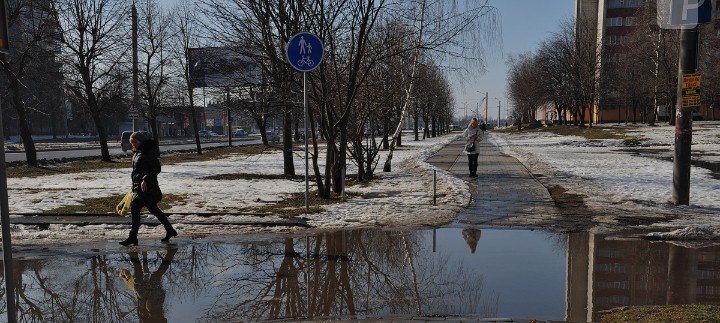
{"points": [[213, 134], [272, 136], [240, 133], [125, 141], [203, 133]]}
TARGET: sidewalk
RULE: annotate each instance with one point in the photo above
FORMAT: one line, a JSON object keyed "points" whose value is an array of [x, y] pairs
{"points": [[505, 192]]}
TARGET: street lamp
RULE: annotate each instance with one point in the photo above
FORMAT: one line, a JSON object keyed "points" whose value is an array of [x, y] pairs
{"points": [[498, 120], [477, 109]]}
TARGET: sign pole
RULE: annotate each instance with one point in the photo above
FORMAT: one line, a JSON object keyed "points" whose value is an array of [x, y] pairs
{"points": [[307, 165], [683, 121], [304, 53], [4, 206]]}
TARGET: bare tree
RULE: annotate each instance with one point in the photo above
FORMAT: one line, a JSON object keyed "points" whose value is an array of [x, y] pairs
{"points": [[93, 50], [153, 45], [34, 32], [450, 33], [186, 31]]}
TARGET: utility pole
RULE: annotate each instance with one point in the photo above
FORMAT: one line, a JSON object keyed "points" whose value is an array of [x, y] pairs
{"points": [[683, 122], [498, 114], [4, 204], [486, 107], [136, 97]]}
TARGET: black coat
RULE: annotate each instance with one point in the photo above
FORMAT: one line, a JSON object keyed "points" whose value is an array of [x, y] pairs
{"points": [[146, 166]]}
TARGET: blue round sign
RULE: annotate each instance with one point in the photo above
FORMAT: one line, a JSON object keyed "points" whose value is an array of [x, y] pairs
{"points": [[304, 51]]}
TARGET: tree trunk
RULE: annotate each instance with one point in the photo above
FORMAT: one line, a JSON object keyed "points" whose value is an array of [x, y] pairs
{"points": [[102, 135], [288, 165], [386, 135], [152, 120], [262, 125], [24, 129], [416, 126]]}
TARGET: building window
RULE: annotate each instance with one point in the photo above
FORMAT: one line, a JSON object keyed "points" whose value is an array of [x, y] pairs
{"points": [[615, 40], [629, 21], [612, 285], [611, 268], [632, 3], [616, 4], [614, 21], [708, 290]]}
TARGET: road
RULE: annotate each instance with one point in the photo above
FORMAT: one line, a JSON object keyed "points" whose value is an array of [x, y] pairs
{"points": [[89, 152]]}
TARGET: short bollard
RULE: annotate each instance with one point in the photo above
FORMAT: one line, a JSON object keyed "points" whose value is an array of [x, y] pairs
{"points": [[434, 187]]}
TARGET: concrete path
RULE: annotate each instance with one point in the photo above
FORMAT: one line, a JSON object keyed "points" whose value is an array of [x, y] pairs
{"points": [[504, 189]]}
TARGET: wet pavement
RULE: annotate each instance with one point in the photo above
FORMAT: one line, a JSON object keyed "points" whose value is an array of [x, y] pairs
{"points": [[503, 188]]}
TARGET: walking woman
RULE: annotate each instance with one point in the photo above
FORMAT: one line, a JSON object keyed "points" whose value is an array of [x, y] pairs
{"points": [[472, 149], [146, 168]]}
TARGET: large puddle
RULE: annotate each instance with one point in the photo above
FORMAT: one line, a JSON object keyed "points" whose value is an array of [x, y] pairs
{"points": [[362, 274]]}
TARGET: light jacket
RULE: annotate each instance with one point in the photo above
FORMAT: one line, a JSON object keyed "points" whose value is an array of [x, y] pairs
{"points": [[472, 134]]}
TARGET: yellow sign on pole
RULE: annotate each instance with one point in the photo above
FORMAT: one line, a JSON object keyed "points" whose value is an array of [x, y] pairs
{"points": [[691, 90], [691, 81]]}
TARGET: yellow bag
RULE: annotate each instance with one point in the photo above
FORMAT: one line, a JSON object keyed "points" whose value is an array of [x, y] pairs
{"points": [[128, 279], [124, 206]]}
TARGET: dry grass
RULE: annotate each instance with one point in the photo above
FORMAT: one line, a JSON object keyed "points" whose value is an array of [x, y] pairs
{"points": [[85, 164], [294, 204], [106, 204], [593, 133], [670, 313]]}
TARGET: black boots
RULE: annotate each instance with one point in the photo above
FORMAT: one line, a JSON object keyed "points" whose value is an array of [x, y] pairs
{"points": [[169, 234], [130, 241]]}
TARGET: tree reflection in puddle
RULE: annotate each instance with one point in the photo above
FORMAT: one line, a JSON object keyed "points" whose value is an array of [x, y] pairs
{"points": [[365, 273], [339, 274]]}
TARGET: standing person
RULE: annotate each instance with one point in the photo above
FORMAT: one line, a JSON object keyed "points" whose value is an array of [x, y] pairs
{"points": [[472, 135], [146, 167], [483, 127]]}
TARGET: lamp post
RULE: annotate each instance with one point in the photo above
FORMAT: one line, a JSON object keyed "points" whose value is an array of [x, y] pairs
{"points": [[498, 119], [477, 109]]}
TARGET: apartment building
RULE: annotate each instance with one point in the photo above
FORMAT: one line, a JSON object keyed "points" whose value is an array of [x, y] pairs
{"points": [[614, 21]]}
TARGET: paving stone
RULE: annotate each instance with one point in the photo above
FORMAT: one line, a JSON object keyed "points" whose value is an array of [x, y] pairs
{"points": [[503, 188]]}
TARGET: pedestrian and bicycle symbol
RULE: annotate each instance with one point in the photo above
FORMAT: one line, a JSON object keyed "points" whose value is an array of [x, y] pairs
{"points": [[304, 52]]}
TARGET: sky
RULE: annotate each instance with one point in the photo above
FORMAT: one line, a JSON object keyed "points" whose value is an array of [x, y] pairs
{"points": [[525, 24]]}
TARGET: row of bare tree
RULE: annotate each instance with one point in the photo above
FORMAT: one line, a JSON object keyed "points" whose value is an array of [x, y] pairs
{"points": [[634, 70], [384, 61]]}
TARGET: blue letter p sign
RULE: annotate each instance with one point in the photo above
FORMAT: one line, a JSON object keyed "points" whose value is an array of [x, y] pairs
{"points": [[675, 14]]}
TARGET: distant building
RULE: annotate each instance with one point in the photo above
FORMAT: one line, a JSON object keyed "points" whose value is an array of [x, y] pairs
{"points": [[614, 20]]}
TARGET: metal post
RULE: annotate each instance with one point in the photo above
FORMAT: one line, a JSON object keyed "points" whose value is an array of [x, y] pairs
{"points": [[307, 275], [307, 166], [434, 187], [229, 120], [498, 114], [486, 106], [5, 219], [342, 184], [434, 238], [683, 121]]}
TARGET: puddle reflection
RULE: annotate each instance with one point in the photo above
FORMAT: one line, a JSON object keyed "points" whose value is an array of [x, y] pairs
{"points": [[456, 271]]}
